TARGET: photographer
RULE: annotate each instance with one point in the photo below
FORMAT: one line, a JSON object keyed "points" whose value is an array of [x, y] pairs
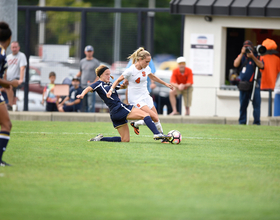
{"points": [[247, 61]]}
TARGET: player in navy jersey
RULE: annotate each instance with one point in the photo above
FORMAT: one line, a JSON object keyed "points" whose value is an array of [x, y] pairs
{"points": [[119, 112], [5, 122]]}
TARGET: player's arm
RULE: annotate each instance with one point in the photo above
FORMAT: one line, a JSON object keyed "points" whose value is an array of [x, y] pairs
{"points": [[156, 79], [6, 84], [85, 91], [123, 86], [109, 93]]}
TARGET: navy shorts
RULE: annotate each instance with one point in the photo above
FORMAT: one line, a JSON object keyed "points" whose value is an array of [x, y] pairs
{"points": [[118, 114], [69, 108]]}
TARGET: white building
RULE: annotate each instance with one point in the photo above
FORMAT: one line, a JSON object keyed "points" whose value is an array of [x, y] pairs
{"points": [[224, 25]]}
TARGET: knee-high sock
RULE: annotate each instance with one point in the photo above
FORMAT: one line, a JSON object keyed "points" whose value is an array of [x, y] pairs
{"points": [[111, 139], [148, 121], [139, 123], [4, 139], [159, 127]]}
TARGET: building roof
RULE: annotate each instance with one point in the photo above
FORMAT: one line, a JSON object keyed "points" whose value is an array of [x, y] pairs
{"points": [[251, 8]]}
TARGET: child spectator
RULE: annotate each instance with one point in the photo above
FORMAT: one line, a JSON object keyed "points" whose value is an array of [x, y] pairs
{"points": [[71, 103], [51, 99]]}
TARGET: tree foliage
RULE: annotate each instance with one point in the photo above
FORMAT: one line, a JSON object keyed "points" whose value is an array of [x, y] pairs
{"points": [[60, 27]]}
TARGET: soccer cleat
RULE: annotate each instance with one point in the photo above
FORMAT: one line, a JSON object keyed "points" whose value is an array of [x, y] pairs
{"points": [[4, 164], [165, 141], [161, 137], [97, 138], [136, 129]]}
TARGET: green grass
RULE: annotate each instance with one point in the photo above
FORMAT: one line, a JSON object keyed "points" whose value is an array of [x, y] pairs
{"points": [[217, 172]]}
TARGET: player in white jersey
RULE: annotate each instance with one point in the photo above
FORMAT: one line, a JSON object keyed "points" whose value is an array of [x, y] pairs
{"points": [[138, 94]]}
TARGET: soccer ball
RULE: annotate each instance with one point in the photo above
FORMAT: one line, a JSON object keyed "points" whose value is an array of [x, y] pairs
{"points": [[177, 137]]}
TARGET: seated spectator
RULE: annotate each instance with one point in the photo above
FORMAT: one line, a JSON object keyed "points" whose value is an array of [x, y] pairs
{"points": [[181, 80], [48, 94], [71, 103]]}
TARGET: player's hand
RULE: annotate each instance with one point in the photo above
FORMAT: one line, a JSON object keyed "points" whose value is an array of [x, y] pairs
{"points": [[169, 86], [109, 93], [42, 103], [125, 82], [15, 83], [80, 96]]}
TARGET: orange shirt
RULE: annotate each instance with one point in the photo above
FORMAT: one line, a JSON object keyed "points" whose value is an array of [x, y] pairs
{"points": [[270, 71], [179, 78]]}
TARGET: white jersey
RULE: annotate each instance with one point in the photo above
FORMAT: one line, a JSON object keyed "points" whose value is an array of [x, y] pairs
{"points": [[137, 88], [14, 64]]}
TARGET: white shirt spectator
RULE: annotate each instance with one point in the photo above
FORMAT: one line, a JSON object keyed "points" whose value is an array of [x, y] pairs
{"points": [[15, 62]]}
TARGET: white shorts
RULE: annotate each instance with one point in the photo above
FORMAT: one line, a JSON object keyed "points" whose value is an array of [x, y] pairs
{"points": [[148, 100]]}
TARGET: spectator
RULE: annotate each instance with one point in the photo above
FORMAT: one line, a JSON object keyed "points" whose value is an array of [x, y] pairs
{"points": [[272, 65], [71, 103], [271, 71], [182, 80], [16, 70], [247, 62], [277, 97], [48, 93], [88, 77]]}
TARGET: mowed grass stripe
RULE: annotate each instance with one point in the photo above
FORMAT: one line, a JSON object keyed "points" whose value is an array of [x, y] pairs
{"points": [[217, 172]]}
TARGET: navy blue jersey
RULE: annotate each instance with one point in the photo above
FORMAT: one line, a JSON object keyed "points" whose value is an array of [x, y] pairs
{"points": [[102, 89], [118, 110], [3, 62], [72, 95]]}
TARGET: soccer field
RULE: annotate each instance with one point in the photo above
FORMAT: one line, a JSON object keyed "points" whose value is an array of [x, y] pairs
{"points": [[217, 172]]}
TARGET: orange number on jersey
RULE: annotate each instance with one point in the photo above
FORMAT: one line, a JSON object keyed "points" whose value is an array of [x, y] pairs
{"points": [[137, 80], [143, 74]]}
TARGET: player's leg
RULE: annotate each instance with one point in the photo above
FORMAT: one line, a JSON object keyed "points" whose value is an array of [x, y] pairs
{"points": [[147, 105], [158, 124], [139, 114], [124, 132], [153, 115], [6, 127]]}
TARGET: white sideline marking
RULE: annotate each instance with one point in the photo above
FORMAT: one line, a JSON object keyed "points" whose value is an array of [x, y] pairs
{"points": [[110, 134]]}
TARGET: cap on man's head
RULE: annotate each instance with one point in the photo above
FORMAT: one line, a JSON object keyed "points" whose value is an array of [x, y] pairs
{"points": [[75, 78], [181, 60], [248, 43], [88, 48]]}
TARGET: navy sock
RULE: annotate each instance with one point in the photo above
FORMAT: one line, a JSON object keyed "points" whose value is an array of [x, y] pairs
{"points": [[148, 121], [112, 139], [4, 139]]}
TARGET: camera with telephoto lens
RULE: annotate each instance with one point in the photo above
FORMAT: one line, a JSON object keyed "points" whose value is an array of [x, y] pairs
{"points": [[248, 49], [260, 49]]}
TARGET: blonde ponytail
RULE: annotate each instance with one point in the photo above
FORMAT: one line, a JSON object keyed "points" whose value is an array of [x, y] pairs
{"points": [[139, 53]]}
